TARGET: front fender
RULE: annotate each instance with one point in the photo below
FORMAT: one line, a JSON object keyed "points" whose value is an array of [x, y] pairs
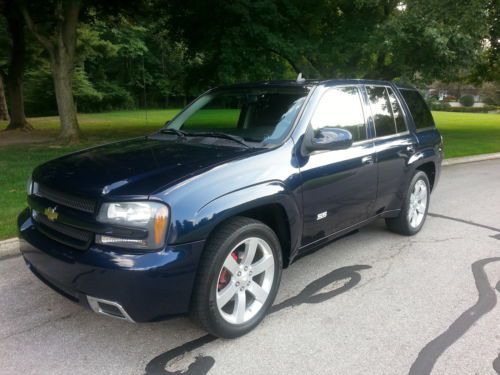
{"points": [[207, 217]]}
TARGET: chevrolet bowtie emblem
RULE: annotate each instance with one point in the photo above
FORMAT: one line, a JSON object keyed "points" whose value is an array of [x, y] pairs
{"points": [[51, 213]]}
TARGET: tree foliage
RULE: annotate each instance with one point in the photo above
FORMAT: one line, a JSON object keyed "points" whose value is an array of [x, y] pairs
{"points": [[162, 53]]}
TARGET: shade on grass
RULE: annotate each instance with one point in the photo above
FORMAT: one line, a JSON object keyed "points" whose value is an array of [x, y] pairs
{"points": [[464, 134]]}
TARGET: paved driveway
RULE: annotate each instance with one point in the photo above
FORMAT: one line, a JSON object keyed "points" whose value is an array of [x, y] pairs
{"points": [[370, 303]]}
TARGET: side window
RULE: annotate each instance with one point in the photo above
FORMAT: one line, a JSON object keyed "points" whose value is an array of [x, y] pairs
{"points": [[419, 111], [397, 112], [381, 110], [341, 108]]}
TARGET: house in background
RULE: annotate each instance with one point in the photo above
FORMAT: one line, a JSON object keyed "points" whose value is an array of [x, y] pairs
{"points": [[451, 93]]}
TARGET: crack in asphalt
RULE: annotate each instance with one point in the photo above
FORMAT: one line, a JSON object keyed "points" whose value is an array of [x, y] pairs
{"points": [[487, 300], [464, 221], [436, 240], [398, 249], [52, 320], [10, 256], [309, 295]]}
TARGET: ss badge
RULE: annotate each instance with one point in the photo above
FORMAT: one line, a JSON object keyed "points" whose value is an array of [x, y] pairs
{"points": [[321, 215]]}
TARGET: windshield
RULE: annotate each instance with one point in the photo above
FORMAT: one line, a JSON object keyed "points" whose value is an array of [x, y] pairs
{"points": [[255, 115]]}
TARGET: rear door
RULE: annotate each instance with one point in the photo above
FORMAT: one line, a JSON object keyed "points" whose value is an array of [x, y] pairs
{"points": [[339, 187], [394, 145]]}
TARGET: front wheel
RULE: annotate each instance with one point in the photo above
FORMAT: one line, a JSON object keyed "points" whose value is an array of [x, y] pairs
{"points": [[239, 275], [414, 210]]}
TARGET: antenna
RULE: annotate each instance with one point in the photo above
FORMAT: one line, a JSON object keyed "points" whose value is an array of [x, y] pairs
{"points": [[300, 79]]}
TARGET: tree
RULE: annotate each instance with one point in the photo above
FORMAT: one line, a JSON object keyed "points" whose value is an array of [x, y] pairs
{"points": [[4, 112], [16, 63], [488, 69], [428, 39], [384, 39], [16, 69], [59, 40]]}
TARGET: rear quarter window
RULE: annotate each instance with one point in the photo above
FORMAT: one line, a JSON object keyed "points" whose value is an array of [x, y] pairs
{"points": [[418, 108]]}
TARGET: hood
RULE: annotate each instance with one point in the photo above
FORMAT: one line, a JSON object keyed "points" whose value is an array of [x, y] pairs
{"points": [[135, 167]]}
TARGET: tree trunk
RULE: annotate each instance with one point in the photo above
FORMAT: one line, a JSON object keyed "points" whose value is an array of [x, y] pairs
{"points": [[62, 56], [16, 72], [4, 113], [62, 64], [62, 74]]}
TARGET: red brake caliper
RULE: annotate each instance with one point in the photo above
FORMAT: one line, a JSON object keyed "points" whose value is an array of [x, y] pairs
{"points": [[225, 275]]}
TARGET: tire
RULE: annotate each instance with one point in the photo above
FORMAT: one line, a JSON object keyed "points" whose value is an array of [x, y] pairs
{"points": [[402, 224], [214, 283]]}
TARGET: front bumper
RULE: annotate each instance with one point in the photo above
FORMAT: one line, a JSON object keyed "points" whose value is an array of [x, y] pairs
{"points": [[148, 286]]}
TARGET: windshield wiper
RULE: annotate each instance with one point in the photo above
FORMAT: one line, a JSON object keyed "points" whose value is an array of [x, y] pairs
{"points": [[183, 134], [177, 132], [231, 137]]}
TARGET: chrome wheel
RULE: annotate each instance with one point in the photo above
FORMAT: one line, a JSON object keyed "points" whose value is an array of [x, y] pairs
{"points": [[245, 280], [418, 204]]}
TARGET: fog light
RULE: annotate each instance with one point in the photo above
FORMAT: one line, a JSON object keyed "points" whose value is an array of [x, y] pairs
{"points": [[117, 241]]}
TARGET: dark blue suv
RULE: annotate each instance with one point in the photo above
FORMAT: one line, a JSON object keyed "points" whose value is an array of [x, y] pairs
{"points": [[202, 216]]}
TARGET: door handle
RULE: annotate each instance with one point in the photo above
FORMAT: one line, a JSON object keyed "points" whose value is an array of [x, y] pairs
{"points": [[367, 159], [411, 149]]}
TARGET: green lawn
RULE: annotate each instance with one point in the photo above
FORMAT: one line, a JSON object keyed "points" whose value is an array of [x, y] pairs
{"points": [[468, 133], [464, 134]]}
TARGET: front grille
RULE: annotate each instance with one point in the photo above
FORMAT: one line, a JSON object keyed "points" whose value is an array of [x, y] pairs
{"points": [[65, 234], [64, 199]]}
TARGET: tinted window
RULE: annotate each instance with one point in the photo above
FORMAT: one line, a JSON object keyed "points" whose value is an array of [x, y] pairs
{"points": [[341, 108], [420, 112], [396, 111], [381, 110]]}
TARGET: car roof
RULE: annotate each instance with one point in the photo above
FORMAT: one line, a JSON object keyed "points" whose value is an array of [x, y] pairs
{"points": [[308, 83]]}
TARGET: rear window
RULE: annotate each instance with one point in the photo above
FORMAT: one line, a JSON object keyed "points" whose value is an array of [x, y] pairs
{"points": [[419, 111]]}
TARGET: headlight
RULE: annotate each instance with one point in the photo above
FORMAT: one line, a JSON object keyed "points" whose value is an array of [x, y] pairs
{"points": [[151, 216], [29, 185]]}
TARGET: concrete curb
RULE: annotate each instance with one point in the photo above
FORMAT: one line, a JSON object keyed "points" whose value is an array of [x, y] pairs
{"points": [[471, 159], [9, 247]]}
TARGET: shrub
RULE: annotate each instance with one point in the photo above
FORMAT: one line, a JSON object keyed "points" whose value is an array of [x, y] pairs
{"points": [[491, 100], [467, 100], [436, 106], [485, 109]]}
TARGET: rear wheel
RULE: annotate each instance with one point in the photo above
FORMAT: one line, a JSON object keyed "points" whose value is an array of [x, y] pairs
{"points": [[238, 278], [414, 210]]}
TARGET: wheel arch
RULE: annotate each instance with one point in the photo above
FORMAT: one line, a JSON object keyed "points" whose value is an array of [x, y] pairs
{"points": [[429, 168], [270, 202], [276, 218]]}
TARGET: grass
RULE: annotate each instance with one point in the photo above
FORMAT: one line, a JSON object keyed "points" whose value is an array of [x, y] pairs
{"points": [[467, 134], [464, 134]]}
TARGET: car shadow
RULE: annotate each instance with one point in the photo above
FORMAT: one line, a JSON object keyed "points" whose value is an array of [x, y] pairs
{"points": [[311, 294]]}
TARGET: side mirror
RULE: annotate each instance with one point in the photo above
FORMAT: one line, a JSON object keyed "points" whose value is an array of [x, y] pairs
{"points": [[326, 139]]}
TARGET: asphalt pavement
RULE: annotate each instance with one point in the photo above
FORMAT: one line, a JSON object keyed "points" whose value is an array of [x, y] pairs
{"points": [[370, 303]]}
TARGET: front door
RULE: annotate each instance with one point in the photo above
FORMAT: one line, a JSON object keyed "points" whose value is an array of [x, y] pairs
{"points": [[339, 187]]}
